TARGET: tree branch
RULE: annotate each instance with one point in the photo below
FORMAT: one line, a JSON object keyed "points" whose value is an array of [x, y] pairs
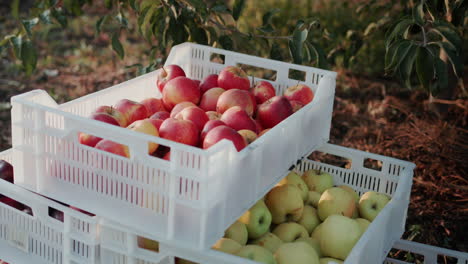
{"points": [[222, 27]]}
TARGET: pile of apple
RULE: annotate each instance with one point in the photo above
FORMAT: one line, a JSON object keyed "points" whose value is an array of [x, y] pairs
{"points": [[303, 220], [200, 114]]}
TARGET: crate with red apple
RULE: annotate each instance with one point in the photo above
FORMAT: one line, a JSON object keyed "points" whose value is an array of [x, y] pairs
{"points": [[154, 147]]}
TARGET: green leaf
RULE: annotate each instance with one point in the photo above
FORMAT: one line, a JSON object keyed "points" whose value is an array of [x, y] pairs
{"points": [[400, 28], [275, 52], [296, 44], [28, 24], [226, 42], [401, 50], [101, 22], [425, 67], [237, 8], [45, 17], [29, 57], [15, 4], [198, 34], [370, 29], [122, 20], [58, 14], [117, 46], [17, 43], [454, 57], [318, 54], [441, 71], [266, 19], [146, 27], [266, 29], [406, 67], [418, 13], [449, 34], [73, 6], [108, 3], [220, 8]]}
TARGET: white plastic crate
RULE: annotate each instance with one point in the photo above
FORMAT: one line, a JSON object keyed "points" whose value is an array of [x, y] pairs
{"points": [[79, 239], [429, 253], [189, 200], [394, 178]]}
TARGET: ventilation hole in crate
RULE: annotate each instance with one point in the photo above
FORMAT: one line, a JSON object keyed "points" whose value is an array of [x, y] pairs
{"points": [[217, 58], [296, 75], [408, 257], [447, 260], [163, 152], [373, 164], [258, 72], [56, 214], [16, 205], [330, 159], [148, 244]]}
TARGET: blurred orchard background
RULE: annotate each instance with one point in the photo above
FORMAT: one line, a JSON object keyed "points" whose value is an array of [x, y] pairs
{"points": [[401, 88]]}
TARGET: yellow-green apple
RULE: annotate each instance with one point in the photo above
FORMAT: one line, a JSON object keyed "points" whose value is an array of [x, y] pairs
{"points": [[233, 77], [235, 97], [313, 198], [224, 132], [294, 179], [339, 234], [248, 135], [148, 127], [194, 114], [363, 224], [299, 92], [90, 140], [178, 130], [113, 147], [162, 115], [257, 253], [371, 203], [227, 245], [263, 132], [6, 171], [335, 201], [285, 203], [238, 119], [148, 244], [208, 126], [184, 261], [317, 233], [132, 110], [297, 253], [257, 220], [166, 74], [317, 180], [153, 105], [179, 107], [209, 82], [178, 90], [210, 98], [213, 115], [314, 243], [119, 116], [273, 111], [330, 261], [237, 232], [351, 191], [269, 241], [262, 91], [309, 219], [296, 105], [290, 231]]}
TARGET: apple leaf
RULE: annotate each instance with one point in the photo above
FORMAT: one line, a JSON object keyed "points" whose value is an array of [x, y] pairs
{"points": [[45, 17], [275, 52], [58, 14], [400, 28], [117, 46], [266, 19], [226, 42], [100, 22], [424, 67], [401, 50], [30, 23], [447, 32], [441, 71], [418, 13], [454, 58], [296, 43], [237, 9], [28, 56], [317, 54], [406, 67], [198, 34], [17, 42]]}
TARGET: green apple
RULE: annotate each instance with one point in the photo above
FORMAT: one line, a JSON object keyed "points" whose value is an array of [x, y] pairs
{"points": [[285, 203], [313, 243], [356, 211], [237, 232], [269, 241], [330, 261], [257, 253], [288, 232], [371, 203], [363, 224], [309, 218], [336, 201], [313, 198], [227, 245], [296, 253], [317, 180], [351, 191], [317, 233], [338, 236], [294, 179], [257, 220], [148, 244]]}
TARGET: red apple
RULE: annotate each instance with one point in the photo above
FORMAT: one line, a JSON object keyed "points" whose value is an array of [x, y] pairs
{"points": [[132, 110], [167, 156], [210, 98], [6, 171], [233, 77], [168, 73], [209, 82], [197, 82], [296, 105], [90, 140], [224, 132], [182, 131], [194, 114], [156, 122], [146, 126], [259, 126], [162, 115], [263, 91], [113, 147], [299, 92], [235, 117], [119, 116], [178, 90], [179, 107], [210, 125], [153, 105], [235, 97], [213, 115], [248, 135], [273, 111]]}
